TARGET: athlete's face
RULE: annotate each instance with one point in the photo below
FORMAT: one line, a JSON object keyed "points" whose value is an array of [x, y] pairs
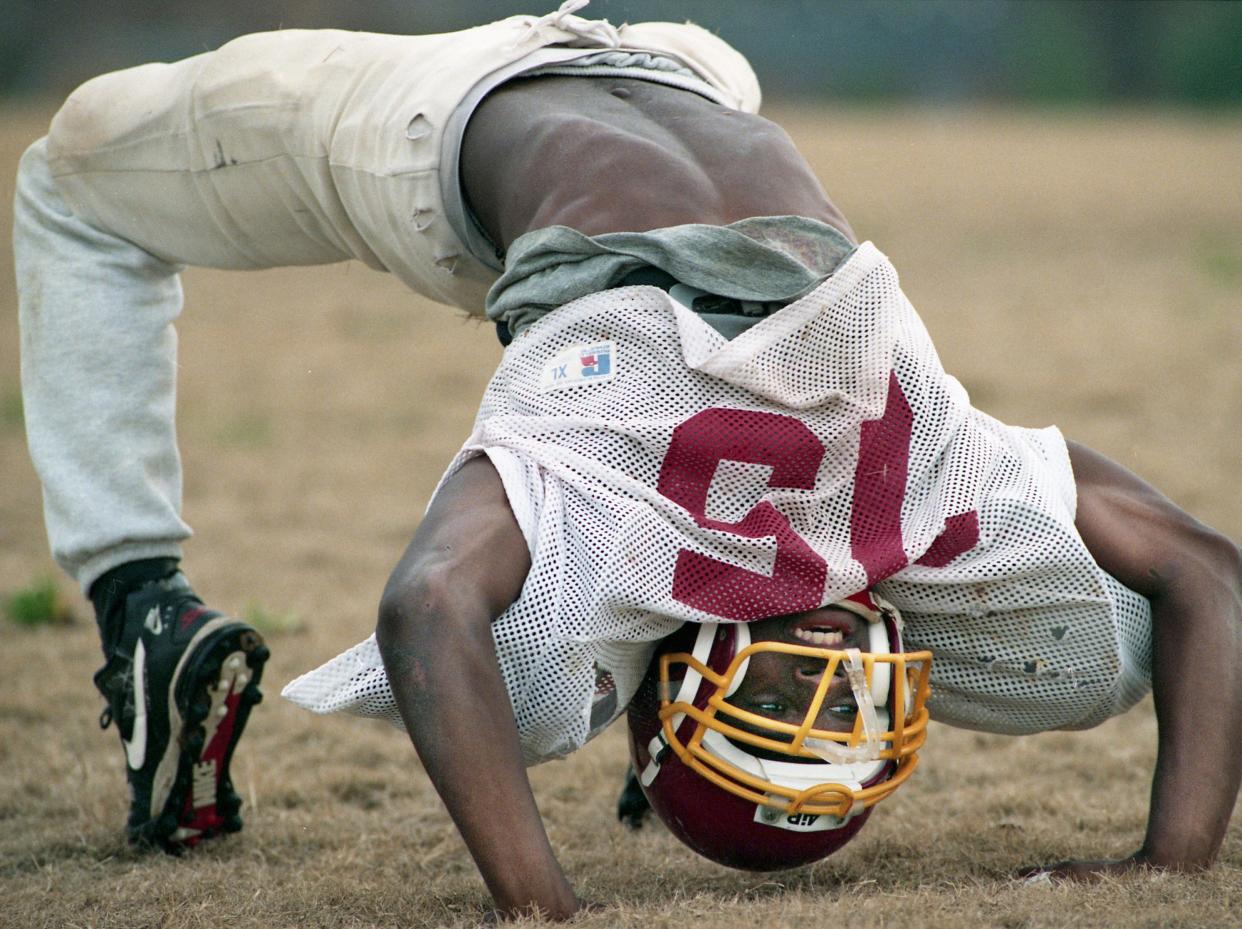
{"points": [[781, 686]]}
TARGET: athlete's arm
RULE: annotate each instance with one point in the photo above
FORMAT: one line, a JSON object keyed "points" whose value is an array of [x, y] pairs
{"points": [[466, 564], [1193, 577]]}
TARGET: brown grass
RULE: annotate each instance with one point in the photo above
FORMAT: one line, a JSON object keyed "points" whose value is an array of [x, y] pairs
{"points": [[1083, 269]]}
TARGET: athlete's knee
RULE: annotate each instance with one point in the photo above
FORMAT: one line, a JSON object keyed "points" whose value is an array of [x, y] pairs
{"points": [[81, 122], [110, 111]]}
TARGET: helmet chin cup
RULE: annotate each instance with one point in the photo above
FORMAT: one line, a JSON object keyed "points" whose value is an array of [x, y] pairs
{"points": [[762, 794]]}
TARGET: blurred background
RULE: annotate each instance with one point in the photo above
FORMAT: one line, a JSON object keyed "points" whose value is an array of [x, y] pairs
{"points": [[938, 51]]}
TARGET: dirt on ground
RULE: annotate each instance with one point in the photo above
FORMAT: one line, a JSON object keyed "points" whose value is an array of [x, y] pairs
{"points": [[1076, 268]]}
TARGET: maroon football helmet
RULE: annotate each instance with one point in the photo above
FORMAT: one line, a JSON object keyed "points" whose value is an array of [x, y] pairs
{"points": [[758, 794]]}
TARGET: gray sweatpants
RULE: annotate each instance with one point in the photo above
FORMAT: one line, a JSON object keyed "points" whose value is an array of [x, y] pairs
{"points": [[98, 352]]}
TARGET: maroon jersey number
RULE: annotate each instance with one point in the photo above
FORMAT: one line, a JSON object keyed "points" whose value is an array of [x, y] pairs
{"points": [[794, 453]]}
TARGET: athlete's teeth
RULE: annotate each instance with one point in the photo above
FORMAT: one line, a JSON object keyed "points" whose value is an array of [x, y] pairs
{"points": [[820, 637]]}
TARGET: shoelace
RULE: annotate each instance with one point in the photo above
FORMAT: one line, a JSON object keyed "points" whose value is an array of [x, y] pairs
{"points": [[595, 31], [117, 683]]}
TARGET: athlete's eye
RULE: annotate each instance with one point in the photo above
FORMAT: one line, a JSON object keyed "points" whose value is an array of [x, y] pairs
{"points": [[771, 707], [844, 710]]}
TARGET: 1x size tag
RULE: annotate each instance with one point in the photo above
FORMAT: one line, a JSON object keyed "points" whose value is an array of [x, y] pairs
{"points": [[592, 363]]}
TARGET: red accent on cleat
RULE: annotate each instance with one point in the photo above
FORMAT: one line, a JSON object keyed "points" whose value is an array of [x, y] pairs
{"points": [[189, 616], [201, 812]]}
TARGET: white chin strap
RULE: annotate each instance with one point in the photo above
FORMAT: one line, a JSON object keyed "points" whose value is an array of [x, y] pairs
{"points": [[702, 650], [690, 683], [869, 748]]}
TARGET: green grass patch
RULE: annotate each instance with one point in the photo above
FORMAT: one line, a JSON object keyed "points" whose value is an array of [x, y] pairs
{"points": [[38, 604], [246, 432], [1223, 267], [1221, 260], [11, 415], [272, 622]]}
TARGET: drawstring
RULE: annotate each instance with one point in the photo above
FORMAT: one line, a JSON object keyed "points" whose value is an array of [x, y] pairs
{"points": [[593, 32]]}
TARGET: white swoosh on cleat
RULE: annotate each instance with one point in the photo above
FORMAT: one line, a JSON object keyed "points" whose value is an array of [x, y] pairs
{"points": [[136, 745]]}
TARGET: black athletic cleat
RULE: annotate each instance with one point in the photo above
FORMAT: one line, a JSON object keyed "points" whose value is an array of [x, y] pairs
{"points": [[180, 685]]}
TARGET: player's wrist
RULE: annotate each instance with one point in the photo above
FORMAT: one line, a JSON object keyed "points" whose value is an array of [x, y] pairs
{"points": [[562, 904], [1168, 857], [1182, 838], [529, 884]]}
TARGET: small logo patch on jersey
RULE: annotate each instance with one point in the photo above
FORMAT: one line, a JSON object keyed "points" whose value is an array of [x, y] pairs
{"points": [[592, 363]]}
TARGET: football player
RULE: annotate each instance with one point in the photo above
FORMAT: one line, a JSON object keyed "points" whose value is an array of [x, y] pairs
{"points": [[718, 409]]}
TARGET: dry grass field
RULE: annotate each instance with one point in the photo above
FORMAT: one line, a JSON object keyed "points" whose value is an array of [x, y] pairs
{"points": [[1080, 268]]}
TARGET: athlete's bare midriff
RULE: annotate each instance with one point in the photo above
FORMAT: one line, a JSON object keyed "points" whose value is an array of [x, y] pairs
{"points": [[627, 155]]}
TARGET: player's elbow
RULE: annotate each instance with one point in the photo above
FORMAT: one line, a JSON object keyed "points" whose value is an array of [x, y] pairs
{"points": [[1201, 562], [1227, 560], [429, 606], [415, 605], [1215, 554]]}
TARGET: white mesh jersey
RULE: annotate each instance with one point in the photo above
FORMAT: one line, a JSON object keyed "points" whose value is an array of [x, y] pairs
{"points": [[661, 473]]}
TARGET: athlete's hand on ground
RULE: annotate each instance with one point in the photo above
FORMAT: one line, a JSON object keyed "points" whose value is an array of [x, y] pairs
{"points": [[1087, 871]]}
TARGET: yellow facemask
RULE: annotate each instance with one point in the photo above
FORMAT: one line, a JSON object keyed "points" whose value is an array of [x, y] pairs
{"points": [[890, 690]]}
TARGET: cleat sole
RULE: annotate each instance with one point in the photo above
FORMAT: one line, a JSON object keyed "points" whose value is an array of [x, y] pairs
{"points": [[216, 689]]}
